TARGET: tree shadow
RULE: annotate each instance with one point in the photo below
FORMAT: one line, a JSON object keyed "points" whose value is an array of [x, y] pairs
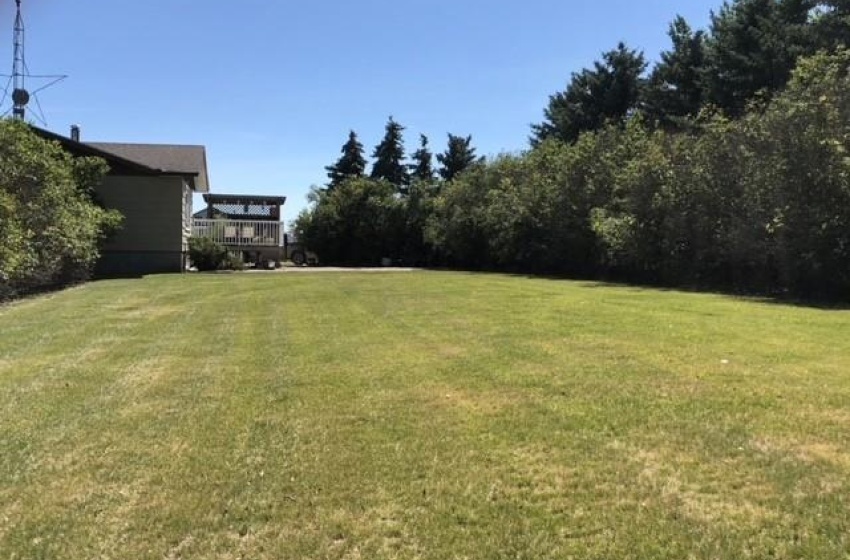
{"points": [[589, 281]]}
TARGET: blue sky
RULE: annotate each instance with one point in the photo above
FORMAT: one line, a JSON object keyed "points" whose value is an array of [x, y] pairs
{"points": [[272, 87]]}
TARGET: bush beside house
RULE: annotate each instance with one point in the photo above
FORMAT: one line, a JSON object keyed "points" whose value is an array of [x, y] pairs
{"points": [[207, 255], [50, 223]]}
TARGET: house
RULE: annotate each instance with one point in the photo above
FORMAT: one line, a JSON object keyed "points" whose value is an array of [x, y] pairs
{"points": [[152, 186]]}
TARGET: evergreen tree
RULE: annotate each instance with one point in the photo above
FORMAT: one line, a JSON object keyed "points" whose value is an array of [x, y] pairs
{"points": [[423, 167], [389, 158], [608, 92], [674, 89], [752, 48], [830, 27], [458, 157], [352, 164]]}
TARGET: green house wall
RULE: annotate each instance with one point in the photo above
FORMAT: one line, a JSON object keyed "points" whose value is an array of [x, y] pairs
{"points": [[153, 236]]}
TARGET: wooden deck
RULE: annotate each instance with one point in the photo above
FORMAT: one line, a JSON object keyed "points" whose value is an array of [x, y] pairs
{"points": [[240, 233]]}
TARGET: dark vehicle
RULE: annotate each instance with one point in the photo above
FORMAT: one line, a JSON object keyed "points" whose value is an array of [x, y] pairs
{"points": [[295, 251]]}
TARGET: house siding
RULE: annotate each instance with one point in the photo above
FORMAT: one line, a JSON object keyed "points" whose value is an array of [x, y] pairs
{"points": [[152, 235], [127, 264]]}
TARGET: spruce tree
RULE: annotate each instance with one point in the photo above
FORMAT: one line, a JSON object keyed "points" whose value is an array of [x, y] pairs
{"points": [[389, 158], [752, 48], [674, 89], [830, 24], [352, 164], [423, 167], [459, 156], [594, 97]]}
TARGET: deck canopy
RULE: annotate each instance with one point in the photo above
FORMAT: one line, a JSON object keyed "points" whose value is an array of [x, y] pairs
{"points": [[244, 207]]}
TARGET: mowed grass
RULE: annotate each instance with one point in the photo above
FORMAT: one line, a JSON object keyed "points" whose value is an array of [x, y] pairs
{"points": [[420, 415]]}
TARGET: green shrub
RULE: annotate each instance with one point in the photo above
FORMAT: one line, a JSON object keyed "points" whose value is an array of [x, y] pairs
{"points": [[207, 254], [232, 261], [359, 222], [50, 226]]}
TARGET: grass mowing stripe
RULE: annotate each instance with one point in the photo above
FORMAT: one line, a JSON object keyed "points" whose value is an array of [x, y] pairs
{"points": [[419, 415]]}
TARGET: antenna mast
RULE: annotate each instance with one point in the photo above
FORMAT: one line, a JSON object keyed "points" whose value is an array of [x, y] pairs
{"points": [[21, 96]]}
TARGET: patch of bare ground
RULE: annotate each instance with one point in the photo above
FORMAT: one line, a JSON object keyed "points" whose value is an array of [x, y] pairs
{"points": [[825, 452], [480, 402], [536, 474], [386, 530], [176, 552], [143, 374], [10, 511], [724, 495], [150, 312], [449, 351], [805, 451], [810, 453], [826, 414]]}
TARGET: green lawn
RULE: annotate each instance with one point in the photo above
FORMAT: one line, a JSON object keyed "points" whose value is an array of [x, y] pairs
{"points": [[420, 415]]}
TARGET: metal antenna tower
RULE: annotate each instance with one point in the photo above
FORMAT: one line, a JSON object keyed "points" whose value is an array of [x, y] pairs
{"points": [[20, 95], [20, 73]]}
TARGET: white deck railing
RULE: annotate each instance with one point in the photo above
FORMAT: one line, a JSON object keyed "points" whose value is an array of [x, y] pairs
{"points": [[241, 233]]}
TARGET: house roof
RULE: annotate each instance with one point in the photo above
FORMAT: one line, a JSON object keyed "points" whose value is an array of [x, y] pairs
{"points": [[117, 164], [141, 159], [168, 158]]}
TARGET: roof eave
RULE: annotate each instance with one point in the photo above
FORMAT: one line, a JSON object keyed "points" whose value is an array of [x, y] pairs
{"points": [[90, 151]]}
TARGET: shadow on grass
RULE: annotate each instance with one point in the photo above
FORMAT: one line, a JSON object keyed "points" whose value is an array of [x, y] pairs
{"points": [[589, 281], [821, 303], [753, 297]]}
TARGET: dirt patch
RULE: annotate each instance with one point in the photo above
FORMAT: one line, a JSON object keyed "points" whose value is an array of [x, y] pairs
{"points": [[807, 452], [150, 313], [443, 350], [826, 452], [474, 402], [831, 415], [716, 501], [545, 477], [142, 375], [177, 550], [9, 513]]}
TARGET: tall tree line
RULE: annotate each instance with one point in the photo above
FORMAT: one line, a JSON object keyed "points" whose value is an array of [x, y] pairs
{"points": [[722, 165], [365, 216], [759, 203], [390, 163], [746, 56]]}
